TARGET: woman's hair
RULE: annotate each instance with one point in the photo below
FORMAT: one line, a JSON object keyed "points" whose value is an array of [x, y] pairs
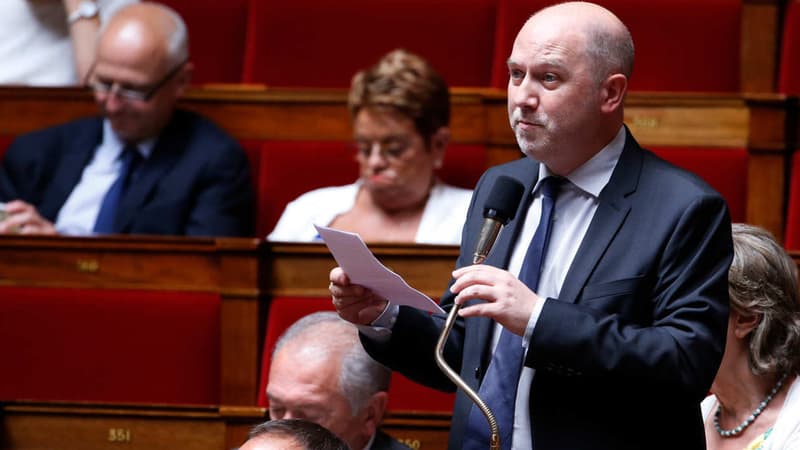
{"points": [[307, 434], [406, 83], [762, 281]]}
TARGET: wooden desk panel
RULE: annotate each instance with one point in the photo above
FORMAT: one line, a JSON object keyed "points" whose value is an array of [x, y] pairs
{"points": [[245, 273]]}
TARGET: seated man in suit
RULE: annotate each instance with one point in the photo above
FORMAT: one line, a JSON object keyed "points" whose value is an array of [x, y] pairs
{"points": [[320, 372], [292, 434], [143, 167], [401, 115]]}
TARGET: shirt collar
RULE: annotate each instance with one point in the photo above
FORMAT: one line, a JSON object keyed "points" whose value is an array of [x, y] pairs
{"points": [[593, 175], [112, 140]]}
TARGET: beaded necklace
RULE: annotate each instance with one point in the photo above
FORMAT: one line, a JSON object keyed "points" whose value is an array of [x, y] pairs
{"points": [[752, 417]]}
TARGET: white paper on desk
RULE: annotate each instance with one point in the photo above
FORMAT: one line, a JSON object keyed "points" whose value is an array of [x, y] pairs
{"points": [[352, 255]]}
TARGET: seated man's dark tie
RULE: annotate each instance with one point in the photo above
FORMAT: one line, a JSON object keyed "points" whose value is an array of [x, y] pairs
{"points": [[106, 217], [499, 386]]}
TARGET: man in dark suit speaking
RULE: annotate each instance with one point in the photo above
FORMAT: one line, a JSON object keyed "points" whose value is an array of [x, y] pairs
{"points": [[143, 167], [599, 318]]}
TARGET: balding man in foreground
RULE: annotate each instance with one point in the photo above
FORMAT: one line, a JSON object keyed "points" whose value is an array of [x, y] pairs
{"points": [[319, 372], [143, 167], [599, 320]]}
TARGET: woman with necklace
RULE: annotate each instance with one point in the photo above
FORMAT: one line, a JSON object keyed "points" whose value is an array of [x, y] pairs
{"points": [[756, 394]]}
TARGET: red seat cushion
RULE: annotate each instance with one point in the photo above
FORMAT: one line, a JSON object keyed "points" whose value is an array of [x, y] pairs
{"points": [[109, 345], [789, 72], [217, 32], [725, 169], [667, 36], [404, 395], [323, 43]]}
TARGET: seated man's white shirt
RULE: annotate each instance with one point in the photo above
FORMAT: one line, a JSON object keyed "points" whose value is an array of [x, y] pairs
{"points": [[79, 213]]}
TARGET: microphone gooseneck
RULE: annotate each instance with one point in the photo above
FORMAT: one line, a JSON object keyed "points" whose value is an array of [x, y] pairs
{"points": [[501, 206]]}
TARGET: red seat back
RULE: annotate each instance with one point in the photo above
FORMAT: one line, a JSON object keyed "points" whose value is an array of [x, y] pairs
{"points": [[404, 394], [217, 32], [323, 43], [792, 238], [681, 45], [725, 169], [124, 346]]}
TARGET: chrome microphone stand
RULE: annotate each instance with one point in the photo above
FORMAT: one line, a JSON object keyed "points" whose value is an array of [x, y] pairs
{"points": [[494, 437]]}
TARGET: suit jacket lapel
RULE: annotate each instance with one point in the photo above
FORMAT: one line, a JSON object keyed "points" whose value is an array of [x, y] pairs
{"points": [[480, 328], [610, 215], [165, 153], [79, 148]]}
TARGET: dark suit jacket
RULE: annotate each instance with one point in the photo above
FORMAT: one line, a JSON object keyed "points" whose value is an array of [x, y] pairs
{"points": [[626, 353], [385, 442], [196, 182]]}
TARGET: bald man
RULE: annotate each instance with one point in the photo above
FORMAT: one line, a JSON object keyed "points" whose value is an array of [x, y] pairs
{"points": [[610, 336], [319, 372], [142, 167]]}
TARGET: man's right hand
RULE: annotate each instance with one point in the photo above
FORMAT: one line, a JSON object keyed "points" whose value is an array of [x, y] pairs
{"points": [[23, 218], [354, 302]]}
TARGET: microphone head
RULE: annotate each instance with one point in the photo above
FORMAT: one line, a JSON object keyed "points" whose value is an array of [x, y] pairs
{"points": [[504, 199]]}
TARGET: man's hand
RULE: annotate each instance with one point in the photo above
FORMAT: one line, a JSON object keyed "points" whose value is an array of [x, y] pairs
{"points": [[23, 218], [353, 302], [508, 300]]}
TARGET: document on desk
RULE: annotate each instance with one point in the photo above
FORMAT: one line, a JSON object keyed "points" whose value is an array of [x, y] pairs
{"points": [[352, 255]]}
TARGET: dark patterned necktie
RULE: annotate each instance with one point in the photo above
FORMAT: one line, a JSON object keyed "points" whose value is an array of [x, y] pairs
{"points": [[106, 217], [499, 387]]}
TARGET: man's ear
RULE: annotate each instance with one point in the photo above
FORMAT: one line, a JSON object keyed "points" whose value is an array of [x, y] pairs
{"points": [[743, 324], [438, 144], [375, 409], [185, 77], [613, 92]]}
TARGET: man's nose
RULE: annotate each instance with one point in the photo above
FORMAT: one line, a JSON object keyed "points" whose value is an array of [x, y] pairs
{"points": [[525, 95], [113, 102]]}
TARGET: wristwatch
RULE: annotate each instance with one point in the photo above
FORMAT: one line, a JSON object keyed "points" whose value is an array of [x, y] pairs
{"points": [[87, 9]]}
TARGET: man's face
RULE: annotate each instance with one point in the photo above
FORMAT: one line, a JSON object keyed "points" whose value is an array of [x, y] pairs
{"points": [[396, 163], [138, 69], [302, 387], [553, 98]]}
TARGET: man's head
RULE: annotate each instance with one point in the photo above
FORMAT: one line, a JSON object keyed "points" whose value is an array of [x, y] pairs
{"points": [[401, 113], [568, 74], [320, 372], [292, 434], [141, 68]]}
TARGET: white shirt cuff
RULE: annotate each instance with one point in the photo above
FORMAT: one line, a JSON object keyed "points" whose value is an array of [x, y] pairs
{"points": [[380, 330]]}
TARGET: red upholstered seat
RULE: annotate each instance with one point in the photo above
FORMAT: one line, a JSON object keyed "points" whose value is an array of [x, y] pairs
{"points": [[792, 238], [109, 346], [5, 141], [217, 32], [323, 43], [789, 72], [290, 168], [681, 45], [725, 169], [404, 395]]}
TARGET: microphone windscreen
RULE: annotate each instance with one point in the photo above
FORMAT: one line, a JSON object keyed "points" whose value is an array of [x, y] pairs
{"points": [[504, 199]]}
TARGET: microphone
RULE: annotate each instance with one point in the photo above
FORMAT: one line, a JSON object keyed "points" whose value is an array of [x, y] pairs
{"points": [[501, 207]]}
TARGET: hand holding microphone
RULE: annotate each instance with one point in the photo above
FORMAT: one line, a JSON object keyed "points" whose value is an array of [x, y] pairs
{"points": [[501, 207]]}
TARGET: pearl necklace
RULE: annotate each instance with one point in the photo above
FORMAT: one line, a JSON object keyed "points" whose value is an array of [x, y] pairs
{"points": [[750, 419]]}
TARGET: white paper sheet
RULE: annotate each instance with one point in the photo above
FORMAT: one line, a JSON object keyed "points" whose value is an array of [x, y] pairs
{"points": [[352, 255]]}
